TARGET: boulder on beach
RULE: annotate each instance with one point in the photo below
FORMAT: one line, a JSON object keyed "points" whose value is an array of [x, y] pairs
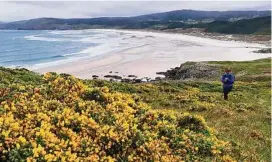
{"points": [[95, 76], [132, 76], [113, 76]]}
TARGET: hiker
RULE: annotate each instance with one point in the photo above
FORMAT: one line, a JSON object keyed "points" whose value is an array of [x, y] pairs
{"points": [[228, 80]]}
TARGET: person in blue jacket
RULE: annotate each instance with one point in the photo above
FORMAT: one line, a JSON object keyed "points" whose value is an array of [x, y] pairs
{"points": [[228, 80]]}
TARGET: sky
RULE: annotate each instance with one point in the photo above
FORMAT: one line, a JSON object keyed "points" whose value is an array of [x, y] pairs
{"points": [[22, 10]]}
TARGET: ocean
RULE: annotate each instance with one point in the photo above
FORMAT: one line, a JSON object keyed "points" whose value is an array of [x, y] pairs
{"points": [[36, 49]]}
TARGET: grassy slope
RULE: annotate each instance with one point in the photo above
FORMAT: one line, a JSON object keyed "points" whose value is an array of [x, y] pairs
{"points": [[260, 26], [245, 119], [252, 26]]}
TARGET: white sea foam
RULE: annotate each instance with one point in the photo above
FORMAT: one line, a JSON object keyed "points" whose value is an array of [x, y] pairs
{"points": [[40, 38], [70, 54], [65, 32]]}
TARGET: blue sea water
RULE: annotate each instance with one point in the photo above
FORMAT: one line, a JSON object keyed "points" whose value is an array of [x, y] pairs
{"points": [[19, 48]]}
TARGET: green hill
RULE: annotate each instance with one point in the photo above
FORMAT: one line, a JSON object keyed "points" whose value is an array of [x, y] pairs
{"points": [[58, 117], [248, 26], [159, 21]]}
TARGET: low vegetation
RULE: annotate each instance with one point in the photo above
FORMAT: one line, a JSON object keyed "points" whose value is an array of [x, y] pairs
{"points": [[56, 117], [260, 26]]}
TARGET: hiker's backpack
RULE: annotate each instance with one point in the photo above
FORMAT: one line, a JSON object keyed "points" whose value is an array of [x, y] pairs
{"points": [[230, 78]]}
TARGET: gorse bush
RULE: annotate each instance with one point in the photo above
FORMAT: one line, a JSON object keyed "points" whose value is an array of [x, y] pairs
{"points": [[63, 119]]}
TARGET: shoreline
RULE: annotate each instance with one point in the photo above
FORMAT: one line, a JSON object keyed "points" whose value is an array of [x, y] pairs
{"points": [[161, 52], [198, 32]]}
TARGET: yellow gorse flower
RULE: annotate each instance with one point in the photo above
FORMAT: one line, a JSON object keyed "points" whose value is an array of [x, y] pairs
{"points": [[65, 120], [22, 140]]}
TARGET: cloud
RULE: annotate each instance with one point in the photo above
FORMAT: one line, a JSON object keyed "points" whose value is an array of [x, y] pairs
{"points": [[11, 11]]}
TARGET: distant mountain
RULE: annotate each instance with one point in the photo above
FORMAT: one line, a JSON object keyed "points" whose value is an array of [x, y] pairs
{"points": [[172, 19]]}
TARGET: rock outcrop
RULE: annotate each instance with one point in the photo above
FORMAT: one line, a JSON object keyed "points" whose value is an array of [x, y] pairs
{"points": [[192, 70]]}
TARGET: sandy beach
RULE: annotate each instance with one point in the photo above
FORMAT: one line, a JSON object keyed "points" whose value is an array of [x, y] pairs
{"points": [[155, 52]]}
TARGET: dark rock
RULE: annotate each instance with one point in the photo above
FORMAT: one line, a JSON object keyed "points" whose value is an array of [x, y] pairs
{"points": [[110, 72], [158, 78], [132, 76], [192, 70], [137, 81], [265, 50], [113, 76], [95, 76], [107, 76], [160, 73], [117, 77]]}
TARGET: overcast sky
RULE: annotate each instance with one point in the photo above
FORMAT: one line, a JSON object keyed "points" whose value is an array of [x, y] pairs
{"points": [[11, 11]]}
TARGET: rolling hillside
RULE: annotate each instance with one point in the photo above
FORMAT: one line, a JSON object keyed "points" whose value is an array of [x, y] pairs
{"points": [[260, 25], [184, 15], [160, 21]]}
